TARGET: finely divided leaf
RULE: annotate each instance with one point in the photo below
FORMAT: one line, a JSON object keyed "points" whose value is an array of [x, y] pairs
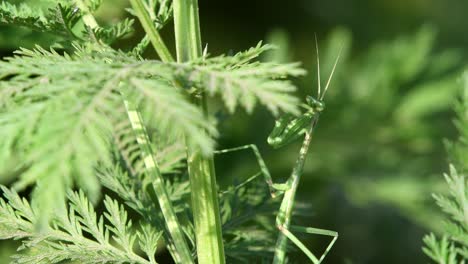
{"points": [[61, 119], [59, 20], [241, 80], [79, 234]]}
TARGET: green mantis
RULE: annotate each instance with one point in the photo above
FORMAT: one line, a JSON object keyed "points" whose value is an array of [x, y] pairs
{"points": [[287, 129]]}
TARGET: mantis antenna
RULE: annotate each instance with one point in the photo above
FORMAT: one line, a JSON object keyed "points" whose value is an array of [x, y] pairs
{"points": [[318, 65], [331, 74]]}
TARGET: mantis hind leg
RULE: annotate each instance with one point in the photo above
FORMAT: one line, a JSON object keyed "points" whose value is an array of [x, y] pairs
{"points": [[309, 230], [274, 187]]}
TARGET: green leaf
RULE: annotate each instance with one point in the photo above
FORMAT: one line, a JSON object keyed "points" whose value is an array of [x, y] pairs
{"points": [[115, 32], [59, 110], [60, 20], [240, 80], [79, 235]]}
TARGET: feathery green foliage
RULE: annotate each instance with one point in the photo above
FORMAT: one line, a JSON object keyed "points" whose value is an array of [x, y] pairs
{"points": [[79, 234], [63, 19], [115, 32], [64, 125], [453, 246], [52, 118], [246, 83], [42, 89], [65, 121], [59, 20], [159, 11], [248, 225]]}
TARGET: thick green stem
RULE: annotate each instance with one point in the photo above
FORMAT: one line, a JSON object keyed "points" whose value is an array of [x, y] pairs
{"points": [[210, 248], [151, 32], [187, 30]]}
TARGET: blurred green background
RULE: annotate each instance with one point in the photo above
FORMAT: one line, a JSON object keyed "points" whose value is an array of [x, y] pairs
{"points": [[378, 152]]}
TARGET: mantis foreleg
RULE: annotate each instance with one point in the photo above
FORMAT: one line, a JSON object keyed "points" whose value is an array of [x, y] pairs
{"points": [[282, 218], [274, 187]]}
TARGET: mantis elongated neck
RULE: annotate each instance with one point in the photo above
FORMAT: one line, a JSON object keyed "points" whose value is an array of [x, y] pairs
{"points": [[299, 166], [296, 174]]}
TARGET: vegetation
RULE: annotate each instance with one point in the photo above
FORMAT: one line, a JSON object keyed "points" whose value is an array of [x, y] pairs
{"points": [[65, 112], [453, 246], [117, 124]]}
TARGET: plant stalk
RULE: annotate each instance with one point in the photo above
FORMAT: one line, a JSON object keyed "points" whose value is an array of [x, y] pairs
{"points": [[151, 31], [204, 193], [156, 189]]}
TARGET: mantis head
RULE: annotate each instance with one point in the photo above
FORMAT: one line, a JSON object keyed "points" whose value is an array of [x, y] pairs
{"points": [[316, 105]]}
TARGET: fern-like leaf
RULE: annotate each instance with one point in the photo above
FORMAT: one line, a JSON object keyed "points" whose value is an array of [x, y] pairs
{"points": [[110, 34], [58, 110], [248, 229], [59, 20], [441, 251], [79, 235], [453, 246], [60, 121], [160, 11], [241, 80], [131, 188]]}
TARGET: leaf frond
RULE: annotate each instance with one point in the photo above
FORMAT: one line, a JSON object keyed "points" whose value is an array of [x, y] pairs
{"points": [[59, 20], [79, 235]]}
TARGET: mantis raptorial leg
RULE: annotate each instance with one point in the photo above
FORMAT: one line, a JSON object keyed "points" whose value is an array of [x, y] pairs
{"points": [[283, 219], [314, 231], [274, 187], [289, 188]]}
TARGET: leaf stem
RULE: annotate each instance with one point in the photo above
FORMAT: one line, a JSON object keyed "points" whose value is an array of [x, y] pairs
{"points": [[205, 206], [151, 31]]}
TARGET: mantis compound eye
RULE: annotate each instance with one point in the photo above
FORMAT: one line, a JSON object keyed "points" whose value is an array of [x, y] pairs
{"points": [[317, 105]]}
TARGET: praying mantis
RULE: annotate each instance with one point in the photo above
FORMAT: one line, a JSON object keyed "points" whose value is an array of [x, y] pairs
{"points": [[286, 130]]}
